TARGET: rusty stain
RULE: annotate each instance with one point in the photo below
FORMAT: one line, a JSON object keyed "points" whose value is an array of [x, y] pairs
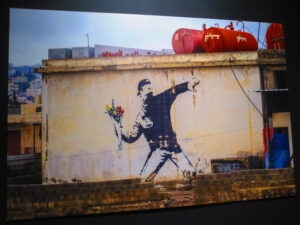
{"points": [[173, 85], [47, 129], [194, 99], [166, 74], [110, 67], [246, 76], [47, 137], [45, 150], [194, 95], [250, 130]]}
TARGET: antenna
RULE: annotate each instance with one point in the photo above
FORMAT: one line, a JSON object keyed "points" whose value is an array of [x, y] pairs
{"points": [[88, 42]]}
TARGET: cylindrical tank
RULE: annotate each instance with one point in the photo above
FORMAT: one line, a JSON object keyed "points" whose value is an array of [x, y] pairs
{"points": [[187, 41], [223, 40], [275, 36]]}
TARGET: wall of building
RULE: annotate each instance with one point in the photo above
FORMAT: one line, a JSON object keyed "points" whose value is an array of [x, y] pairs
{"points": [[30, 137], [44, 201], [28, 123], [79, 141]]}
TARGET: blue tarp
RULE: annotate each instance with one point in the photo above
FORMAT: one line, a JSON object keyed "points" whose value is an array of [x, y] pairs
{"points": [[278, 155]]}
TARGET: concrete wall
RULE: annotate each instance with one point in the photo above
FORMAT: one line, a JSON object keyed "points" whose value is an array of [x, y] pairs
{"points": [[30, 137], [28, 122], [79, 141], [44, 201]]}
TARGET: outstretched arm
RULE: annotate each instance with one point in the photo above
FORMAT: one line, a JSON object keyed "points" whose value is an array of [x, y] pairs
{"points": [[175, 90], [181, 88]]}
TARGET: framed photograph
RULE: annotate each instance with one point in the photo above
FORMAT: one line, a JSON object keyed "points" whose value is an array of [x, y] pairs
{"points": [[114, 112]]}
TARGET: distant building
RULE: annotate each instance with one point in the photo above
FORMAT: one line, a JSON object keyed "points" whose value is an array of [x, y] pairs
{"points": [[24, 128], [35, 88], [20, 79], [167, 51], [24, 83], [22, 99], [12, 87]]}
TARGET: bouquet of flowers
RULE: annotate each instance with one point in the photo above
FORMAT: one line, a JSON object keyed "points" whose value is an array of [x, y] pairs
{"points": [[116, 114]]}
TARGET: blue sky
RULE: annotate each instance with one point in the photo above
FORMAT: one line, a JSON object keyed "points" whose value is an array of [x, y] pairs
{"points": [[33, 32]]}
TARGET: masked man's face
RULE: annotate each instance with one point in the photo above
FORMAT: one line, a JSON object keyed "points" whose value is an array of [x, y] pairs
{"points": [[146, 90]]}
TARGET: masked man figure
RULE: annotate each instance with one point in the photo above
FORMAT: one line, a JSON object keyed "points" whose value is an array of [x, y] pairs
{"points": [[154, 121]]}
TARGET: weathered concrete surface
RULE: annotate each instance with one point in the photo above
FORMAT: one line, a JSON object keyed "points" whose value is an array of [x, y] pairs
{"points": [[79, 140], [244, 185], [263, 57], [37, 201], [215, 121]]}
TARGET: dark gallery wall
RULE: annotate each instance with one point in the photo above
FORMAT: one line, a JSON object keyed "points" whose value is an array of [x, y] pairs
{"points": [[272, 211]]}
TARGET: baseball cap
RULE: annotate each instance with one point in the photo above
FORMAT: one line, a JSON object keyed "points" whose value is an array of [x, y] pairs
{"points": [[141, 84]]}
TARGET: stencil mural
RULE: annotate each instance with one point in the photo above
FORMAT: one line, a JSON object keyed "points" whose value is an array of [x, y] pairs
{"points": [[154, 122]]}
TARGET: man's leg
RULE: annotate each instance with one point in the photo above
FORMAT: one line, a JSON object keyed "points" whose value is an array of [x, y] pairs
{"points": [[157, 163], [182, 162]]}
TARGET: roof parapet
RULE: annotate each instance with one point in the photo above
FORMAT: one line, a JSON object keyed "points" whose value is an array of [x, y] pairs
{"points": [[260, 57]]}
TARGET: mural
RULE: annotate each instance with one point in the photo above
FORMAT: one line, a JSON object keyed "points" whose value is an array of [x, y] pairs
{"points": [[154, 122], [157, 125]]}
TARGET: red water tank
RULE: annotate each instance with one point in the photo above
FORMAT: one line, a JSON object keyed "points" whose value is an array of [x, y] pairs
{"points": [[187, 41], [227, 40], [275, 36]]}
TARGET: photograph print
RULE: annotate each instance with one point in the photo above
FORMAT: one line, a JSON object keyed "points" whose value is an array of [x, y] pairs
{"points": [[120, 112]]}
